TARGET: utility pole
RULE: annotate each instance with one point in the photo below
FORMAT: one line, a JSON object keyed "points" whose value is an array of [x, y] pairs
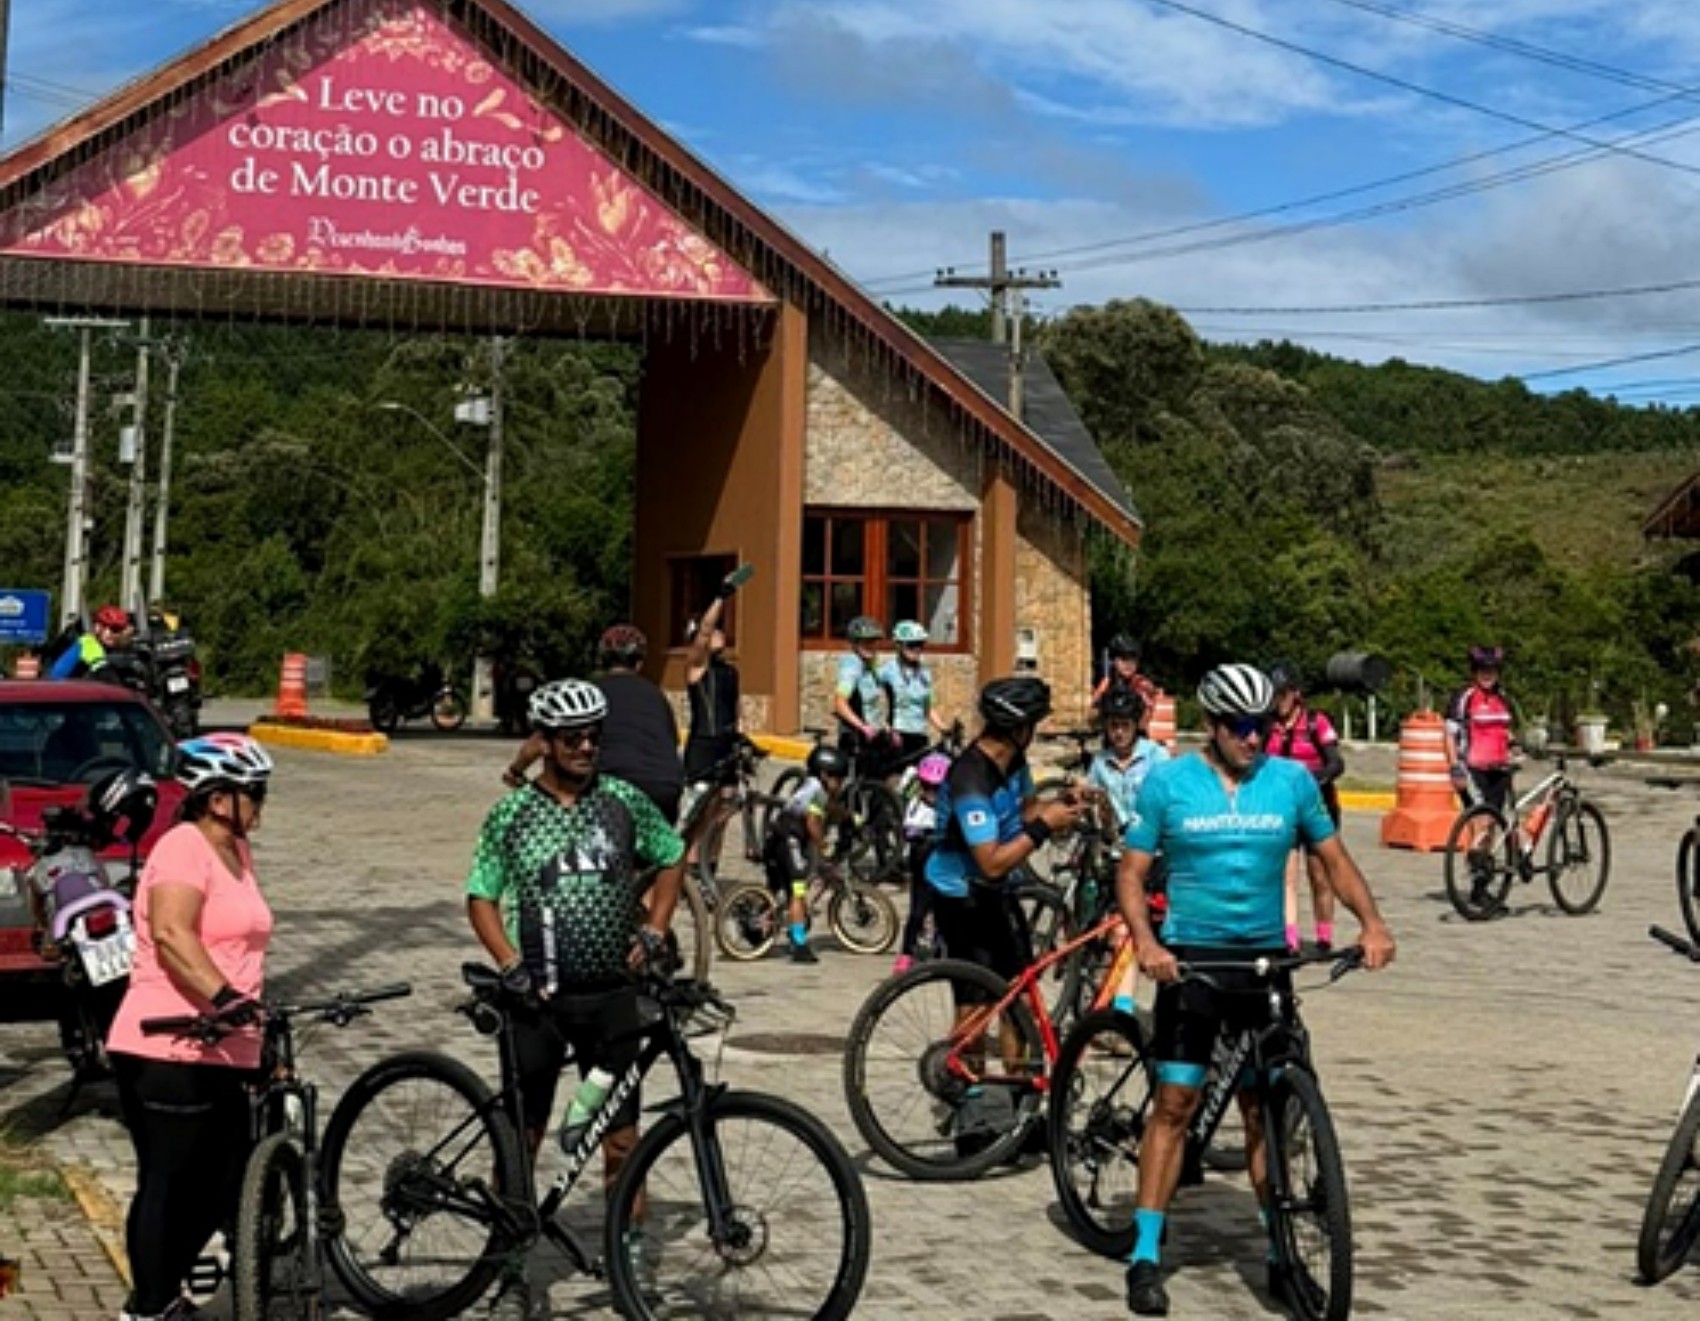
{"points": [[490, 548], [1000, 284], [173, 364], [5, 43], [135, 512], [76, 516]]}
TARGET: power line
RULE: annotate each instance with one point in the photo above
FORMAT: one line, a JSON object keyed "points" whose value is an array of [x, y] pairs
{"points": [[1447, 304], [1605, 363]]}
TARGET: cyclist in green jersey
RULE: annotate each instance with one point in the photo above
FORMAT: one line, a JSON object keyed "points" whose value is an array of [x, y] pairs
{"points": [[556, 896]]}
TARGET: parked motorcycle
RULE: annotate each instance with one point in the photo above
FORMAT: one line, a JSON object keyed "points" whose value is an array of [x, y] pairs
{"points": [[161, 664], [391, 699], [82, 913]]}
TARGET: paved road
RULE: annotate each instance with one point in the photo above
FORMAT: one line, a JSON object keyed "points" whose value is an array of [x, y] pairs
{"points": [[1504, 1093]]}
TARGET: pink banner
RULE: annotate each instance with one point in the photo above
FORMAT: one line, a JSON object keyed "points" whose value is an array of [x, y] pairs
{"points": [[380, 143]]}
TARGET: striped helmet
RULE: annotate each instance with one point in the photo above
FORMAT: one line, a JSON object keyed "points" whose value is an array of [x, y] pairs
{"points": [[567, 704], [222, 761], [1236, 690]]}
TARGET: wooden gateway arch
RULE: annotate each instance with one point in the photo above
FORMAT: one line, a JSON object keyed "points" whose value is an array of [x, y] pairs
{"points": [[445, 165]]}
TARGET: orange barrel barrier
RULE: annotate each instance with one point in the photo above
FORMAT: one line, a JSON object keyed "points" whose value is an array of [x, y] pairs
{"points": [[292, 686], [1426, 807], [27, 667], [1161, 728]]}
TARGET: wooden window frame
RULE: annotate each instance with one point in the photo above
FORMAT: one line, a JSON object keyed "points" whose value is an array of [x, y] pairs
{"points": [[876, 580]]}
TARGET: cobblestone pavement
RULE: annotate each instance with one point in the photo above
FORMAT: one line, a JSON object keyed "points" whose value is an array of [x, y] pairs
{"points": [[1504, 1094]]}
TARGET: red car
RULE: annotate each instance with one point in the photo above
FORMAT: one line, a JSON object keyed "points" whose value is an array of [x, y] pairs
{"points": [[56, 738]]}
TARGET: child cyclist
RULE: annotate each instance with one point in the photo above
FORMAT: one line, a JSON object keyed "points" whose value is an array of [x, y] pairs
{"points": [[920, 821], [796, 838]]}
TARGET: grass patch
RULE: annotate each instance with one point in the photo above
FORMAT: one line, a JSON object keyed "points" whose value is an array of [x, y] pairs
{"points": [[25, 1173]]}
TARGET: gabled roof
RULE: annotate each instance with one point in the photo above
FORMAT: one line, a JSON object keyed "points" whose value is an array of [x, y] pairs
{"points": [[1678, 514], [758, 242], [1046, 410]]}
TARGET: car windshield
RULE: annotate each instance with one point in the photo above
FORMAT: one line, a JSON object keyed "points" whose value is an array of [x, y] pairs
{"points": [[78, 742]]}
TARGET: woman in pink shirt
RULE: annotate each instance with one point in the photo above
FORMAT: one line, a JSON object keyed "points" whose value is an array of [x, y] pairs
{"points": [[202, 928], [1307, 737]]}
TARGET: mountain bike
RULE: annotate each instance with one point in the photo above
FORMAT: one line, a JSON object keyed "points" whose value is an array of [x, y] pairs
{"points": [[427, 1180], [751, 916], [947, 1066], [867, 835], [1101, 1097], [1688, 879], [277, 1258], [1486, 853], [1670, 1226], [706, 825]]}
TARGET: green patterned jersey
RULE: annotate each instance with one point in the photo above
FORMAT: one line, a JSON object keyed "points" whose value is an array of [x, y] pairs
{"points": [[569, 879]]}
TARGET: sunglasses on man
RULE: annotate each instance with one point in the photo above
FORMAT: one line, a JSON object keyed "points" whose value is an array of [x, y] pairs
{"points": [[588, 736], [1243, 727]]}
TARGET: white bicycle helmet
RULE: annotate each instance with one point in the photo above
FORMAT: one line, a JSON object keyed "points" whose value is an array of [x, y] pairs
{"points": [[1236, 690], [222, 761], [909, 631], [567, 704]]}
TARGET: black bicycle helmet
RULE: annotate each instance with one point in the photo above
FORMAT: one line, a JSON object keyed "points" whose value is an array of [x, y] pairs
{"points": [[1122, 704], [1487, 658], [828, 762], [1286, 677], [1123, 647], [1012, 703], [864, 628], [122, 805]]}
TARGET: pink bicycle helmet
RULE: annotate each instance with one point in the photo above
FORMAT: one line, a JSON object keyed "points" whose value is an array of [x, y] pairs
{"points": [[933, 768]]}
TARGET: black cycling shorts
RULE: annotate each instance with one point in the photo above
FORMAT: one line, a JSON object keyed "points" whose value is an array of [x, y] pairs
{"points": [[1492, 786], [785, 855], [1191, 1014], [585, 1026], [984, 927]]}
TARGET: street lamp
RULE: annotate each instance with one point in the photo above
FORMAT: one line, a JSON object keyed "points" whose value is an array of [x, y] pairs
{"points": [[484, 413]]}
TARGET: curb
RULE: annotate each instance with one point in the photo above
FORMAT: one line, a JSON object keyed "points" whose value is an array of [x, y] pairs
{"points": [[1368, 800], [103, 1215], [320, 740], [786, 749]]}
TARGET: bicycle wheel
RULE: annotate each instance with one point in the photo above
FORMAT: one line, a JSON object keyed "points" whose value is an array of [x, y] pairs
{"points": [[415, 1154], [1479, 863], [798, 1235], [1671, 1224], [1578, 857], [920, 1111], [693, 931], [1050, 926], [863, 918], [1100, 1102], [1310, 1219], [747, 921], [874, 850], [448, 712], [269, 1264], [1688, 881]]}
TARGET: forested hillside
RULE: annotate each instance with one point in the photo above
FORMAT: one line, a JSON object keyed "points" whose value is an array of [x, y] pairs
{"points": [[1295, 504]]}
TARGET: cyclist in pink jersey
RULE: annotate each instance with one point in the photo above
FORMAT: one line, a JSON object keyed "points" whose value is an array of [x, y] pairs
{"points": [[201, 936], [1480, 723], [1307, 737]]}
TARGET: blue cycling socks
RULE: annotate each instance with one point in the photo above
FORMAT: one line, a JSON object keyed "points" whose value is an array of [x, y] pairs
{"points": [[799, 934], [1148, 1225], [1123, 1004]]}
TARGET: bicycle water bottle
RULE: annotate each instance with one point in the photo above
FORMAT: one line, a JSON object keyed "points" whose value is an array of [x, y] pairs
{"points": [[587, 1100]]}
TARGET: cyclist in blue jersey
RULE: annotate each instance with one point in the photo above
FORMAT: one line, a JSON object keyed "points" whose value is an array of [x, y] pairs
{"points": [[1120, 767], [858, 698], [1225, 820]]}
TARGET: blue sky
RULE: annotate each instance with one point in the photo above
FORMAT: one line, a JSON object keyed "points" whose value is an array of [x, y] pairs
{"points": [[894, 134]]}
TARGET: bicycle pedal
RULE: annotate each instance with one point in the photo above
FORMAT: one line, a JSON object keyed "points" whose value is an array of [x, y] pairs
{"points": [[206, 1276]]}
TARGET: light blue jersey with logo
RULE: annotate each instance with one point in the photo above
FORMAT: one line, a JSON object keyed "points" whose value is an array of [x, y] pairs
{"points": [[859, 684], [1227, 853], [911, 689], [977, 804], [1119, 782]]}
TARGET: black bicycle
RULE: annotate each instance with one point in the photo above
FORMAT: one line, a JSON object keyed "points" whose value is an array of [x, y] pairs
{"points": [[1101, 1095], [277, 1259], [744, 1204], [1670, 1227], [867, 834]]}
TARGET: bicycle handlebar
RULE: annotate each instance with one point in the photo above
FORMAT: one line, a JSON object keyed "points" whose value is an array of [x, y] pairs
{"points": [[340, 1010], [1344, 961]]}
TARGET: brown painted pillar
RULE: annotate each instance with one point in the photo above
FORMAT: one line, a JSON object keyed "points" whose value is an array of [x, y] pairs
{"points": [[792, 353], [997, 573]]}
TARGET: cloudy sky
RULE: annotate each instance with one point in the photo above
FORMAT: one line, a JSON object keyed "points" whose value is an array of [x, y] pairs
{"points": [[1258, 163]]}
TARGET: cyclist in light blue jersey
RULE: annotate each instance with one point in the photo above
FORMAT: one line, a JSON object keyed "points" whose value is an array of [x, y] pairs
{"points": [[1225, 820], [1120, 768], [908, 685]]}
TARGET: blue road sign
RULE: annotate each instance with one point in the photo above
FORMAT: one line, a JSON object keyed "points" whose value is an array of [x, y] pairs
{"points": [[23, 616]]}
